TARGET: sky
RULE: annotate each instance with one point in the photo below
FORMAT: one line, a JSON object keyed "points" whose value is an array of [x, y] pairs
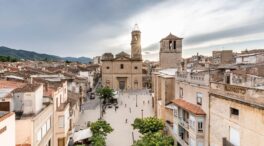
{"points": [[92, 27]]}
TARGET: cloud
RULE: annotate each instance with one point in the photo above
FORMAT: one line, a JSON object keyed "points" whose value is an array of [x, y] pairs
{"points": [[202, 24], [91, 27]]}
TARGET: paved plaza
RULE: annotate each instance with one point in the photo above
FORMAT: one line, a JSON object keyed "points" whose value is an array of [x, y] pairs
{"points": [[122, 134]]}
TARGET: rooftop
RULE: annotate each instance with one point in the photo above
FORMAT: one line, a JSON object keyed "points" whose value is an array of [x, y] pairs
{"points": [[10, 84], [4, 115], [28, 88], [171, 37], [195, 109]]}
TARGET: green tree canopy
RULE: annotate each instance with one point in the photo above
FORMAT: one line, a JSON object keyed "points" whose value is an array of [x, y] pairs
{"points": [[105, 93], [98, 140], [155, 139], [100, 129], [148, 125]]}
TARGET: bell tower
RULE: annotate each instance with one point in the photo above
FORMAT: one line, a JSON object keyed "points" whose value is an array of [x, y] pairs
{"points": [[170, 51], [136, 43]]}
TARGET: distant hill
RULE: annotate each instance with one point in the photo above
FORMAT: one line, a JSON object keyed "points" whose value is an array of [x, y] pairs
{"points": [[30, 55]]}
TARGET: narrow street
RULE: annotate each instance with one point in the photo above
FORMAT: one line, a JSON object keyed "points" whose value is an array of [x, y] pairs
{"points": [[122, 134]]}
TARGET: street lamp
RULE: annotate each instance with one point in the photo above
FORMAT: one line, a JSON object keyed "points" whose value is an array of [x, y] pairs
{"points": [[142, 113], [100, 110], [133, 138], [136, 101]]}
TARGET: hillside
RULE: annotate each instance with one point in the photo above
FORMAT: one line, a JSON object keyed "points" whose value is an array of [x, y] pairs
{"points": [[30, 55]]}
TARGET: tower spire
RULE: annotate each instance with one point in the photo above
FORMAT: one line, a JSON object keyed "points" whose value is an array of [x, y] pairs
{"points": [[136, 28]]}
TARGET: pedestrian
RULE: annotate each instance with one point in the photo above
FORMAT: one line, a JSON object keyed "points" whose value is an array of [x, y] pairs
{"points": [[126, 120], [148, 101], [130, 109], [115, 108], [143, 102]]}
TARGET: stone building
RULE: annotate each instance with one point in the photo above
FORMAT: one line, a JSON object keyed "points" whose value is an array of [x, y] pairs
{"points": [[236, 115], [223, 57], [7, 128], [170, 51], [122, 71]]}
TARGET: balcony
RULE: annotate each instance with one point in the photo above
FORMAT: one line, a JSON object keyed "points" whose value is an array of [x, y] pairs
{"points": [[169, 127], [181, 141], [183, 123]]}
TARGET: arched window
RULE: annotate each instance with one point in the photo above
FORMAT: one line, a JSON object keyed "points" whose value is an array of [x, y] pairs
{"points": [[136, 84], [121, 66], [107, 83], [170, 45]]}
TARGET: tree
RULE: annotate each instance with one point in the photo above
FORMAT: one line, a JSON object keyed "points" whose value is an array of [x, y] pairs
{"points": [[148, 125], [106, 94], [67, 62], [100, 129], [155, 139], [98, 140], [151, 129]]}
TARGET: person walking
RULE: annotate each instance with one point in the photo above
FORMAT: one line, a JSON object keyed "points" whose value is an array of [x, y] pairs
{"points": [[126, 120]]}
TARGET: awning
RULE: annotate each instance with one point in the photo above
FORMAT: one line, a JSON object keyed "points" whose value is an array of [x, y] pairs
{"points": [[82, 134]]}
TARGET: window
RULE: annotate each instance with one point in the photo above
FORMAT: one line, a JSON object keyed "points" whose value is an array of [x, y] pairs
{"points": [[39, 136], [234, 136], [107, 67], [170, 44], [48, 124], [200, 126], [43, 130], [121, 66], [181, 92], [175, 113], [199, 98], [174, 45], [234, 112], [61, 121], [192, 122], [107, 83], [49, 143], [135, 67]]}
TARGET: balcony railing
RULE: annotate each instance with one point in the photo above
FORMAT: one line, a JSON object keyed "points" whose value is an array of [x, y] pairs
{"points": [[181, 141], [184, 123]]}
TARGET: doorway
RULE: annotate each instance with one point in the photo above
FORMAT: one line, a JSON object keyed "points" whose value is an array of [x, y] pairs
{"points": [[122, 85]]}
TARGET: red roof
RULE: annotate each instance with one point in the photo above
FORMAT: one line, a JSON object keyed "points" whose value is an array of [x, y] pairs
{"points": [[11, 84], [195, 109]]}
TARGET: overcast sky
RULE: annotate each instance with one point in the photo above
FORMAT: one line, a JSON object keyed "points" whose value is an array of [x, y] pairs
{"points": [[92, 27]]}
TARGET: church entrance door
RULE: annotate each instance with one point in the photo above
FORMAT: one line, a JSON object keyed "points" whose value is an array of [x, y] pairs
{"points": [[122, 85]]}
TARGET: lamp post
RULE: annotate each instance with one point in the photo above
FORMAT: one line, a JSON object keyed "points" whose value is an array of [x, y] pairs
{"points": [[142, 113], [133, 138], [100, 109], [136, 101]]}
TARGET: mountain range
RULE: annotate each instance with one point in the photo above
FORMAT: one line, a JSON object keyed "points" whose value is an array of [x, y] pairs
{"points": [[30, 55]]}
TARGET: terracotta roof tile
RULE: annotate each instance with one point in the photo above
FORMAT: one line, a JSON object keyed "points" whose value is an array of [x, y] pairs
{"points": [[11, 84], [189, 106], [28, 88]]}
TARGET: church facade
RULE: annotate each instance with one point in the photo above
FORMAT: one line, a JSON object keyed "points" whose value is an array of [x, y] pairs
{"points": [[122, 71]]}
